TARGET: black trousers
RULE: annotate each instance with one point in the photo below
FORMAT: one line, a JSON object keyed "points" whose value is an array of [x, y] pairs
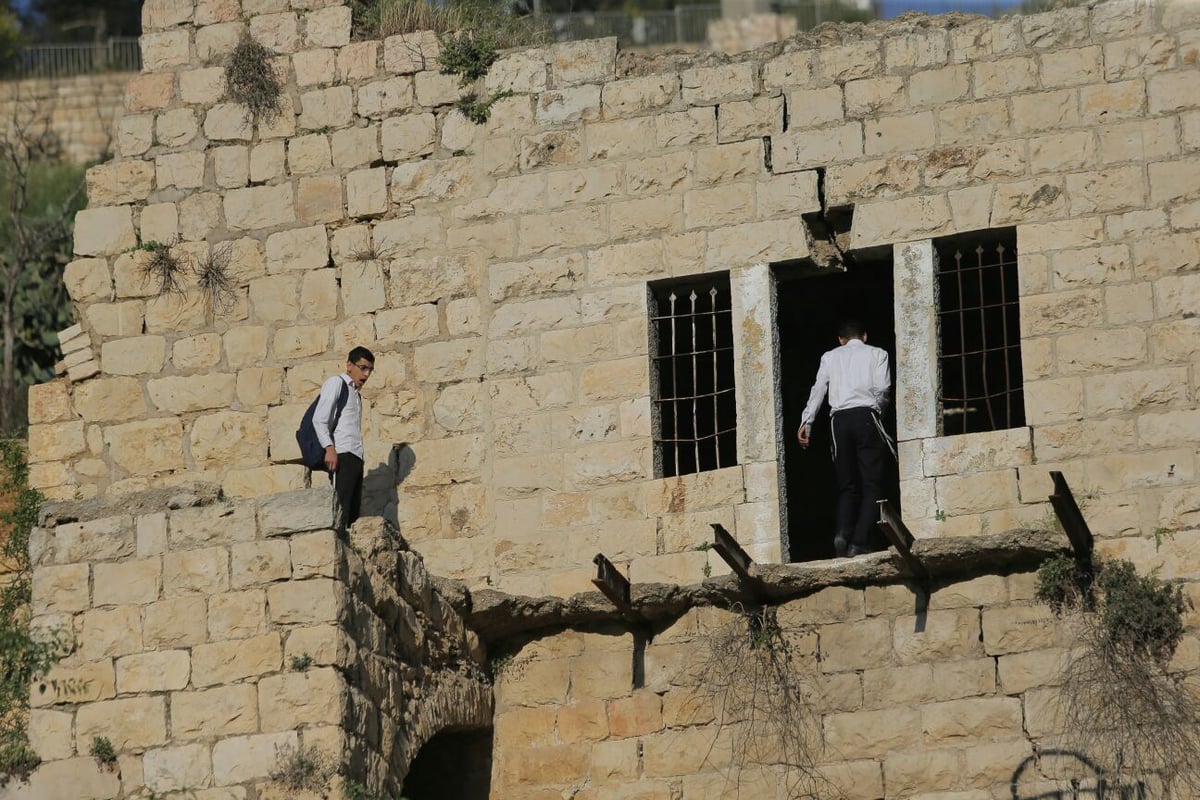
{"points": [[858, 459], [347, 489]]}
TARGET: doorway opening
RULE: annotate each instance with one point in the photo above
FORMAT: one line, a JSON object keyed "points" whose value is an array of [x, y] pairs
{"points": [[454, 763], [810, 303]]}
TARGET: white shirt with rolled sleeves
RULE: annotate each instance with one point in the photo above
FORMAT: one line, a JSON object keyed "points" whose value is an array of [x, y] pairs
{"points": [[855, 375], [347, 437]]}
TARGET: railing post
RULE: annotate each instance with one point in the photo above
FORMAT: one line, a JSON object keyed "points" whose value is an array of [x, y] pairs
{"points": [[678, 24]]}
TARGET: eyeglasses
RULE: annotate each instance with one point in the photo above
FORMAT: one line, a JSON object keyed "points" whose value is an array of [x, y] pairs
{"points": [[365, 367]]}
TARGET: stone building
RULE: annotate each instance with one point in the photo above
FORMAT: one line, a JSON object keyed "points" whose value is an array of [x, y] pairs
{"points": [[595, 317]]}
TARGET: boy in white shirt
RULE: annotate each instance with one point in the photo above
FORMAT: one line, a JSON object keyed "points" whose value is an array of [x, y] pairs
{"points": [[344, 444], [858, 381]]}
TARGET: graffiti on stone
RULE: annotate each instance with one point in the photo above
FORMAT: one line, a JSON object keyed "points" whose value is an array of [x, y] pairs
{"points": [[1073, 776]]}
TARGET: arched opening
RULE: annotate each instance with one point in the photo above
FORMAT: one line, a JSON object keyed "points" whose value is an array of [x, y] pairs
{"points": [[454, 764]]}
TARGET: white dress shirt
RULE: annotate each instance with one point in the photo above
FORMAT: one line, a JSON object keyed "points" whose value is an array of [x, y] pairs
{"points": [[347, 437], [855, 375]]}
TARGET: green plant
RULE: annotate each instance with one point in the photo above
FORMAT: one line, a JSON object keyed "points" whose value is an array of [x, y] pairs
{"points": [[1061, 584], [41, 195], [102, 750], [162, 266], [1137, 615], [1160, 535], [479, 110], [303, 769], [468, 53], [497, 665], [301, 662], [939, 515], [354, 790], [707, 570], [1140, 613], [250, 79], [24, 656]]}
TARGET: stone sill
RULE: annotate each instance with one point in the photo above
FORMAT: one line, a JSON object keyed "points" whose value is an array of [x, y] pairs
{"points": [[497, 616]]}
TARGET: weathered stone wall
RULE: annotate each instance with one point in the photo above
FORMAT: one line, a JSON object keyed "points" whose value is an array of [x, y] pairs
{"points": [[216, 638], [499, 272], [904, 700], [81, 111]]}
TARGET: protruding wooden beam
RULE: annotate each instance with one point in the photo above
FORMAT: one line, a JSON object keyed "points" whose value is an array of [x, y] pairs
{"points": [[611, 582], [1073, 523], [901, 538]]}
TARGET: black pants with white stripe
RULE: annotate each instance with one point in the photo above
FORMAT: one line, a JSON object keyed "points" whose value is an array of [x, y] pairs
{"points": [[347, 489], [858, 458]]}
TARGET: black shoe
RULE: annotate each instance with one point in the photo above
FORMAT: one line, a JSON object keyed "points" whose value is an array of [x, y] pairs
{"points": [[840, 545]]}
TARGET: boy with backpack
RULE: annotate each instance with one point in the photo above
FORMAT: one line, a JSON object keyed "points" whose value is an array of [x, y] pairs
{"points": [[330, 435]]}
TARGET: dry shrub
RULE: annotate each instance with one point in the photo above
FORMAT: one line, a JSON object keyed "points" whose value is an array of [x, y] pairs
{"points": [[303, 769], [212, 276], [764, 699], [250, 79], [163, 267]]}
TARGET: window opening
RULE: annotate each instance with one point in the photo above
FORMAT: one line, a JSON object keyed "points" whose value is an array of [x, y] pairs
{"points": [[692, 356], [979, 320]]}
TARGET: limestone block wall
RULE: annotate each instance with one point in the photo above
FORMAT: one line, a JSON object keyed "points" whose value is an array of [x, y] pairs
{"points": [[953, 700], [82, 111], [500, 273], [214, 639]]}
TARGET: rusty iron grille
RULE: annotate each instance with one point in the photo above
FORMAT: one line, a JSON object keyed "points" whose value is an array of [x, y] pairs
{"points": [[694, 408], [979, 320]]}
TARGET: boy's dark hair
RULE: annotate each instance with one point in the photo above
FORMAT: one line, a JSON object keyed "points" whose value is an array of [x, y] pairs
{"points": [[851, 329], [361, 352]]}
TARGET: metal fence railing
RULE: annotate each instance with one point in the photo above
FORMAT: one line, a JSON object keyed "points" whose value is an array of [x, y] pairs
{"points": [[680, 25], [118, 54], [688, 24]]}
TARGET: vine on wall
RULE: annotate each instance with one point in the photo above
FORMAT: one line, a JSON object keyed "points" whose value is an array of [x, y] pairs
{"points": [[25, 654], [764, 698]]}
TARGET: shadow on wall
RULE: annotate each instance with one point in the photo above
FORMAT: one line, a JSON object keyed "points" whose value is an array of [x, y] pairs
{"points": [[380, 496]]}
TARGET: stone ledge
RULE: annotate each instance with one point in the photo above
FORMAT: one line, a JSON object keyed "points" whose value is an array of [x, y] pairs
{"points": [[133, 504], [496, 616]]}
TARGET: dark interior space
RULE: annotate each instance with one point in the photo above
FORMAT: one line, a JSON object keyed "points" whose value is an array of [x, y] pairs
{"points": [[453, 764], [811, 302]]}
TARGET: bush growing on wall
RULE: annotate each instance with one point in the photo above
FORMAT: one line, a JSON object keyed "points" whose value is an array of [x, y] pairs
{"points": [[1120, 702], [23, 655], [250, 79]]}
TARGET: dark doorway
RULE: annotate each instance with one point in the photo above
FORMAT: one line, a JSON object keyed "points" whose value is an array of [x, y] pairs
{"points": [[810, 304], [453, 764]]}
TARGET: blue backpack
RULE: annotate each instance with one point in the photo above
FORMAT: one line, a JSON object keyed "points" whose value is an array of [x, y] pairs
{"points": [[311, 451]]}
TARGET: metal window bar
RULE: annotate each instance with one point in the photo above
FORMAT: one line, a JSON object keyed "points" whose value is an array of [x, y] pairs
{"points": [[694, 364], [977, 303]]}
